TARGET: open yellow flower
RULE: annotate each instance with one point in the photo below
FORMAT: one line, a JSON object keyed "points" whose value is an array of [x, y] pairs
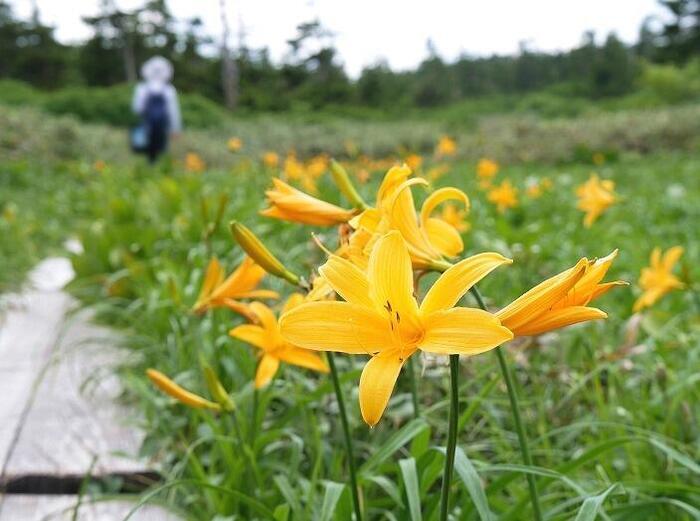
{"points": [[657, 279], [235, 144], [446, 146], [275, 349], [428, 238], [450, 214], [504, 196], [560, 301], [182, 395], [194, 163], [218, 291], [594, 197], [381, 318], [486, 169], [414, 161], [271, 159], [289, 204]]}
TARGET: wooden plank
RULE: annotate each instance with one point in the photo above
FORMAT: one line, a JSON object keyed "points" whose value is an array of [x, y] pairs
{"points": [[75, 424], [29, 323], [62, 508]]}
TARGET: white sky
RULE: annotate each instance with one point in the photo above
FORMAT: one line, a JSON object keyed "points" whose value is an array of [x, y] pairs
{"points": [[369, 30]]}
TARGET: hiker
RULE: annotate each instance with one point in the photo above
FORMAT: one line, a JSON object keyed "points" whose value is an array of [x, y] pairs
{"points": [[155, 101]]}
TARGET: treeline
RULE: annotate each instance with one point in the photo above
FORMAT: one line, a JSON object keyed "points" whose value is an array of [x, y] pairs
{"points": [[312, 75]]}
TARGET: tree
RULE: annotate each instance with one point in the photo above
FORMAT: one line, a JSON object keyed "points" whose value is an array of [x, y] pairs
{"points": [[681, 36]]}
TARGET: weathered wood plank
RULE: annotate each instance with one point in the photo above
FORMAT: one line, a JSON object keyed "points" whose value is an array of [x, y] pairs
{"points": [[62, 508], [29, 323]]}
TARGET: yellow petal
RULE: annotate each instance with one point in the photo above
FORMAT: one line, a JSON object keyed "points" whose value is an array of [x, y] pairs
{"points": [[439, 197], [265, 316], [259, 293], [402, 214], [173, 390], [302, 357], [541, 298], [252, 334], [267, 368], [241, 308], [457, 280], [671, 257], [336, 326], [462, 331], [559, 318], [377, 383], [293, 301], [393, 178], [243, 279], [212, 278], [348, 281], [391, 277], [443, 237], [602, 289]]}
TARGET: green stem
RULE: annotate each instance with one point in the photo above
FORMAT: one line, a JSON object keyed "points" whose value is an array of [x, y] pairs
{"points": [[414, 387], [451, 437], [253, 419], [348, 438], [517, 420]]}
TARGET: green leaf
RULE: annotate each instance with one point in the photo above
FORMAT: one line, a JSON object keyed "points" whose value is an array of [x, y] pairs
{"points": [[330, 500], [387, 486], [589, 508], [281, 513], [409, 473], [288, 493], [472, 482], [394, 443]]}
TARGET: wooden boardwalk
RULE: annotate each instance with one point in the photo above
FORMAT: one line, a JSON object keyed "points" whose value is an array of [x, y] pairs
{"points": [[60, 420]]}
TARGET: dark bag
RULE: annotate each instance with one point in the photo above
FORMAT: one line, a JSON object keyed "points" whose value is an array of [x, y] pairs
{"points": [[138, 138]]}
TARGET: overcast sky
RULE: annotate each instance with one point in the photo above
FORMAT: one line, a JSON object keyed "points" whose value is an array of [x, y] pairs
{"points": [[370, 30]]}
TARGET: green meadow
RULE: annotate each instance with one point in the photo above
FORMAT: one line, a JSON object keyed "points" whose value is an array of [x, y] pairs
{"points": [[610, 407]]}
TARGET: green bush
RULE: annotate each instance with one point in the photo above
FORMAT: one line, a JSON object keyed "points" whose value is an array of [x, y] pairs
{"points": [[672, 84]]}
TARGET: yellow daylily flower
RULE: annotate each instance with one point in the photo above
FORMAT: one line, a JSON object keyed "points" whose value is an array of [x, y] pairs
{"points": [[486, 169], [293, 168], [504, 196], [234, 144], [274, 347], [561, 300], [594, 197], [428, 238], [534, 190], [446, 146], [194, 163], [289, 204], [271, 159], [381, 318], [450, 214], [657, 279], [414, 161], [218, 291], [182, 395]]}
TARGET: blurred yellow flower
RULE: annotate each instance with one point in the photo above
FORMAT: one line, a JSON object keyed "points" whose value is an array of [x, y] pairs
{"points": [[486, 169], [428, 238], [234, 144], [194, 163], [533, 190], [218, 291], [658, 279], [414, 161], [561, 300], [271, 159], [546, 183], [293, 168], [99, 165], [363, 175], [318, 165], [594, 197], [274, 347], [437, 171], [504, 196], [455, 217], [598, 158], [289, 204], [446, 146], [184, 396], [381, 318]]}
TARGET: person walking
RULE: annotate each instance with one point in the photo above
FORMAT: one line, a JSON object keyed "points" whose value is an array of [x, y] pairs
{"points": [[155, 101]]}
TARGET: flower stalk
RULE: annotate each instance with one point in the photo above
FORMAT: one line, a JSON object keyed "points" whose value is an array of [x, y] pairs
{"points": [[451, 437], [342, 180], [348, 438], [517, 420]]}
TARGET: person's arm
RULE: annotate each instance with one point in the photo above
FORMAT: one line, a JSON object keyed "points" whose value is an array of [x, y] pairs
{"points": [[139, 99], [174, 112]]}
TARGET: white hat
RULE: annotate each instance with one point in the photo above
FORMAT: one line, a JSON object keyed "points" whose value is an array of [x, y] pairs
{"points": [[157, 69]]}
